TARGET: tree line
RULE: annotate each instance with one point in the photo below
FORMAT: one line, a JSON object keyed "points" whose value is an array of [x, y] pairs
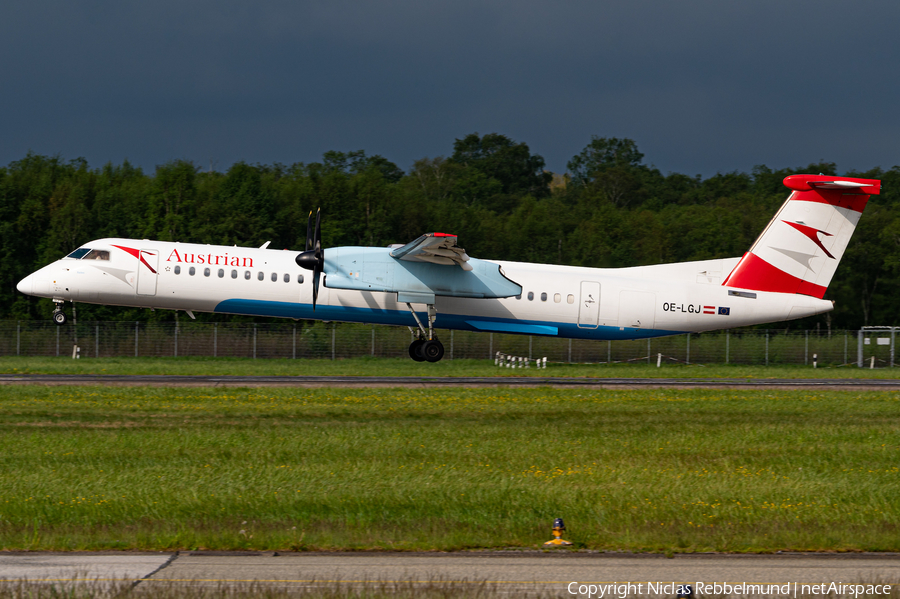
{"points": [[610, 209]]}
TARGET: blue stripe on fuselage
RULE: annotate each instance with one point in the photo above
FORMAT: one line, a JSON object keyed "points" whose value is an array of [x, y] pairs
{"points": [[459, 322]]}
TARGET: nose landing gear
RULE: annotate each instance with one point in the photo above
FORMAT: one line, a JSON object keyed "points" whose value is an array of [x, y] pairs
{"points": [[59, 317], [425, 347]]}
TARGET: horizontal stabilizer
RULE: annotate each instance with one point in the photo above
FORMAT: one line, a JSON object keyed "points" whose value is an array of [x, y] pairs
{"points": [[809, 182]]}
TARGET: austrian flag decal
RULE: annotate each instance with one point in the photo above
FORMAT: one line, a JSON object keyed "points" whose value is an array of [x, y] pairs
{"points": [[709, 309]]}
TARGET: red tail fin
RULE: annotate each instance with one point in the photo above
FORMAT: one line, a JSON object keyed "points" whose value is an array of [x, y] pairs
{"points": [[799, 250]]}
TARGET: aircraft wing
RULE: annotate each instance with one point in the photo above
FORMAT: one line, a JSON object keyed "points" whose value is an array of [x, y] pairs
{"points": [[418, 271], [436, 248]]}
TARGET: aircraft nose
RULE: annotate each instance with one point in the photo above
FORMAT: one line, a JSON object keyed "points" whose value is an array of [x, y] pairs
{"points": [[26, 285]]}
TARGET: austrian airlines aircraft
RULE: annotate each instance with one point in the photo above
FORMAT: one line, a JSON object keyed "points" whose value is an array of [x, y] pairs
{"points": [[783, 276]]}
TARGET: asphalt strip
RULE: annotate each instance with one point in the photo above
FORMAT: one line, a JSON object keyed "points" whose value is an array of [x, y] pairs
{"points": [[512, 571], [400, 381]]}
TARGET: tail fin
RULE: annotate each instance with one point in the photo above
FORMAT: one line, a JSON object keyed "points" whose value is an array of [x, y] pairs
{"points": [[800, 248]]}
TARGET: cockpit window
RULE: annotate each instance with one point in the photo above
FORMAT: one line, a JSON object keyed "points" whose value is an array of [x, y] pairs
{"points": [[97, 255], [78, 253]]}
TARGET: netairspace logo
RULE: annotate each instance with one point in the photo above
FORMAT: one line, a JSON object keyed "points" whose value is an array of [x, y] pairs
{"points": [[621, 590]]}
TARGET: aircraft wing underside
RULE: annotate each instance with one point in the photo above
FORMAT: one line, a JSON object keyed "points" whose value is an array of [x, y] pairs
{"points": [[417, 271]]}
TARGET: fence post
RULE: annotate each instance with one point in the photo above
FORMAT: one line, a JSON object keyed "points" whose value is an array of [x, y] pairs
{"points": [[806, 350], [609, 351], [18, 337], [254, 340], [451, 344], [570, 350], [648, 352], [688, 355], [727, 344], [294, 343], [96, 340], [135, 339], [176, 336], [530, 339], [893, 330], [373, 342], [491, 346], [333, 329], [767, 347], [57, 341], [846, 336], [215, 339], [859, 348]]}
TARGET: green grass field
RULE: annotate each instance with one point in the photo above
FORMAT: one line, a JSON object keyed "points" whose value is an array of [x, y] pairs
{"points": [[405, 367], [448, 469]]}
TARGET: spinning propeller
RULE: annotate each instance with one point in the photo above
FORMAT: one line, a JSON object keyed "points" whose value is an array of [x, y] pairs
{"points": [[313, 258]]}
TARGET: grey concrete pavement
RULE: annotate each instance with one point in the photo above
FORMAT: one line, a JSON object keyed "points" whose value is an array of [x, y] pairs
{"points": [[510, 572], [70, 566], [531, 568]]}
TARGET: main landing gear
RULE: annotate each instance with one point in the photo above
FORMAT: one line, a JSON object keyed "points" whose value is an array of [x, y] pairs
{"points": [[425, 347], [59, 317]]}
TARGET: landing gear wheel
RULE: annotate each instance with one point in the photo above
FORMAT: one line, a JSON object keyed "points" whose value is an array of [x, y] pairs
{"points": [[59, 317], [433, 350], [415, 350]]}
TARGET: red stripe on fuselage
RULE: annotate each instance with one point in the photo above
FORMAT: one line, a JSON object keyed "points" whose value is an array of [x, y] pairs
{"points": [[754, 273], [132, 251], [136, 254]]}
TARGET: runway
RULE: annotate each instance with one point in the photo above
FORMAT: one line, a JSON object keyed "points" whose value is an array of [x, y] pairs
{"points": [[423, 382], [504, 571]]}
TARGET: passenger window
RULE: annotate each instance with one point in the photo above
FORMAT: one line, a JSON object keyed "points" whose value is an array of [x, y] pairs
{"points": [[519, 296], [530, 296], [177, 270], [261, 275], [543, 297], [274, 277], [192, 271], [300, 279], [557, 298], [570, 299], [205, 272], [247, 274], [233, 274], [78, 253], [221, 272], [287, 278], [97, 255]]}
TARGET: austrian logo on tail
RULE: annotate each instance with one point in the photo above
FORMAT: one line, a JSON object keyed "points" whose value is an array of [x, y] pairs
{"points": [[812, 233]]}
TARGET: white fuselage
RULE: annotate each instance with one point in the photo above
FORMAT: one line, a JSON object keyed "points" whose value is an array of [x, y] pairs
{"points": [[564, 301]]}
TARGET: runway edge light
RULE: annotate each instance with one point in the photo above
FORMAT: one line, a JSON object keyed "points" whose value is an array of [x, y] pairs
{"points": [[558, 528]]}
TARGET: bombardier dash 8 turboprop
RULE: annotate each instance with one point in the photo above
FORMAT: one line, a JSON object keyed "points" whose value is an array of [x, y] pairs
{"points": [[783, 276]]}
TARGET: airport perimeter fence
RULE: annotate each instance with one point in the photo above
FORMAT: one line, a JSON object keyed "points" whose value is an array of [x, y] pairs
{"points": [[344, 340]]}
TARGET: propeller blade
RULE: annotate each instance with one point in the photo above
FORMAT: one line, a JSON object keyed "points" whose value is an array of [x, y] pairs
{"points": [[317, 238], [313, 258], [316, 287]]}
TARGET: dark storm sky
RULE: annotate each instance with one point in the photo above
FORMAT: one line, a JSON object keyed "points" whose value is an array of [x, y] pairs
{"points": [[702, 86]]}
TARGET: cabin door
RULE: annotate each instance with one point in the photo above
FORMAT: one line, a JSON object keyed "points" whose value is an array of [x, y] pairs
{"points": [[147, 272], [589, 309]]}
